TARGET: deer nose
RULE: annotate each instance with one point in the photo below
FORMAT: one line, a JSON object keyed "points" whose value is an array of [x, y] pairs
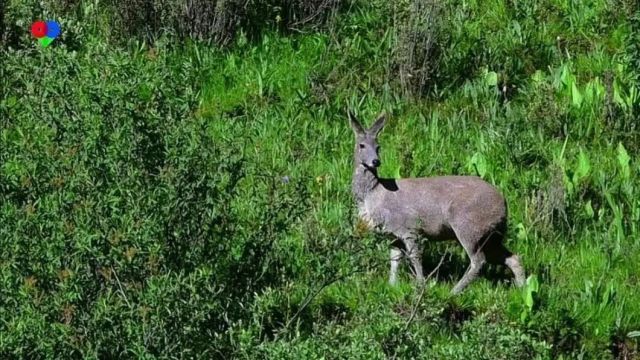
{"points": [[376, 162]]}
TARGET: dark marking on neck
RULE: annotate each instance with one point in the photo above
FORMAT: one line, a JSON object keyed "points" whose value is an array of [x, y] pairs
{"points": [[364, 180]]}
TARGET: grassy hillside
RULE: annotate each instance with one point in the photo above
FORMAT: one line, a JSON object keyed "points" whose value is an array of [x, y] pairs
{"points": [[165, 196]]}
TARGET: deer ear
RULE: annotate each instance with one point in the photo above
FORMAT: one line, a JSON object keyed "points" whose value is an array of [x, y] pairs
{"points": [[378, 124], [355, 125]]}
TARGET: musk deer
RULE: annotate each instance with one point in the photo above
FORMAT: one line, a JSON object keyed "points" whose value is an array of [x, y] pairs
{"points": [[465, 208]]}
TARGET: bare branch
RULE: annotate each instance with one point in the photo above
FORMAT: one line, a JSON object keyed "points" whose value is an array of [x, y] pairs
{"points": [[414, 309]]}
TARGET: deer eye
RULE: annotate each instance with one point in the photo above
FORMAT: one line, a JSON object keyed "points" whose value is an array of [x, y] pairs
{"points": [[361, 146]]}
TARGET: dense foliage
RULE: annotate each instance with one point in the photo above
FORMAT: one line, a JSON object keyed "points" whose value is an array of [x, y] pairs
{"points": [[173, 189]]}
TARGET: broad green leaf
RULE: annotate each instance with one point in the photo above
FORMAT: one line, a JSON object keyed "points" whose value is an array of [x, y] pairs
{"points": [[576, 97], [568, 182], [583, 168], [491, 78], [479, 164], [588, 209], [531, 288], [532, 283], [529, 299], [623, 160], [634, 334]]}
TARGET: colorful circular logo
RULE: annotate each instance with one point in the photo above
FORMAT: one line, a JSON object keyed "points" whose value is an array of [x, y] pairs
{"points": [[45, 32]]}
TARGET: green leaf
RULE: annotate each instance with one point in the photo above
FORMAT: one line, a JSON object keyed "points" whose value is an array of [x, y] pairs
{"points": [[531, 288], [576, 97], [529, 300], [564, 74], [479, 164], [623, 160], [396, 173], [634, 334], [532, 283], [583, 168], [491, 78], [588, 209], [538, 76]]}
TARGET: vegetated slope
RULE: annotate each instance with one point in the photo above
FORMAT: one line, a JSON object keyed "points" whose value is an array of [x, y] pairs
{"points": [[175, 200]]}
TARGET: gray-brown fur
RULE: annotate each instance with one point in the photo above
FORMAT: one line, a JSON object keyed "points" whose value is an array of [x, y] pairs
{"points": [[465, 208]]}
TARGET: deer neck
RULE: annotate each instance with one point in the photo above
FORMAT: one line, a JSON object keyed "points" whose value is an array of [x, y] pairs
{"points": [[364, 181]]}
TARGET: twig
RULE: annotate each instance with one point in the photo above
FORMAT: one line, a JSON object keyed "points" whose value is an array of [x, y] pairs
{"points": [[313, 295], [414, 310], [121, 289], [321, 8], [325, 283]]}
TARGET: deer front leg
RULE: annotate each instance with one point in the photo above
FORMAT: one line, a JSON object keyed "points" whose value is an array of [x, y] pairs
{"points": [[415, 256], [396, 257]]}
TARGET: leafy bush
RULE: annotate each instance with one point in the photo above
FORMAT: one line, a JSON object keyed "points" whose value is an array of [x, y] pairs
{"points": [[116, 200]]}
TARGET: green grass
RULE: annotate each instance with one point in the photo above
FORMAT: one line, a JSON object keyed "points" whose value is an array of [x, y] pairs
{"points": [[145, 213]]}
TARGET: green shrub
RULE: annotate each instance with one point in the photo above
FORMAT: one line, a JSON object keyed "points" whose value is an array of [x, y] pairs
{"points": [[117, 205]]}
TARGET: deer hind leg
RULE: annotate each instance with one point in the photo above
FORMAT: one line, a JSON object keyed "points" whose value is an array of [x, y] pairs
{"points": [[476, 256], [498, 254], [513, 263], [414, 254]]}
